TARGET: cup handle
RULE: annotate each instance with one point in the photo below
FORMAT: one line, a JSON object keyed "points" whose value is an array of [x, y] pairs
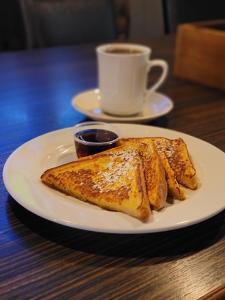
{"points": [[159, 63]]}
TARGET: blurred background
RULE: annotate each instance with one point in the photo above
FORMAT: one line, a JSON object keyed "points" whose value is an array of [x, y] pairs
{"points": [[40, 23]]}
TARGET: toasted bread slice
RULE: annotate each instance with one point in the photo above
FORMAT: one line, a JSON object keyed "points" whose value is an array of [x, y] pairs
{"points": [[113, 179], [154, 171], [179, 159], [165, 148], [182, 165], [174, 187]]}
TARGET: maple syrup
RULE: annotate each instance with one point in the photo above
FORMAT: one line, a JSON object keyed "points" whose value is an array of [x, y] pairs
{"points": [[91, 141]]}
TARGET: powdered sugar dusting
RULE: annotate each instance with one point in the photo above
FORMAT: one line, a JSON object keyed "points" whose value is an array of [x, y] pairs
{"points": [[118, 166], [164, 147]]}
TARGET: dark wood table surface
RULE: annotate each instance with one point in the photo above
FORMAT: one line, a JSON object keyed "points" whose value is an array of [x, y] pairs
{"points": [[43, 260]]}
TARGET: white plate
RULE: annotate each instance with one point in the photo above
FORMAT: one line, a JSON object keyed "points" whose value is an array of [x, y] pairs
{"points": [[23, 169], [89, 103]]}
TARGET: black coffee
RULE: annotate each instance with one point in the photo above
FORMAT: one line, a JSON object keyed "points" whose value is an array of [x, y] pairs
{"points": [[118, 50]]}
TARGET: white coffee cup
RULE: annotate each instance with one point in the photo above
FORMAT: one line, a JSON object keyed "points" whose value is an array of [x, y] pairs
{"points": [[122, 76]]}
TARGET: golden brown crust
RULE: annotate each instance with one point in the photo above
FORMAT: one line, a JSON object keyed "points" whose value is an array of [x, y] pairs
{"points": [[129, 178], [153, 169], [113, 180], [179, 159], [182, 164], [144, 207], [176, 161]]}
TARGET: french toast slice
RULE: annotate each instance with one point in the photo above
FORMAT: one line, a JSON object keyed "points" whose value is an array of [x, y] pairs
{"points": [[174, 188], [153, 170], [182, 165], [113, 179], [177, 154]]}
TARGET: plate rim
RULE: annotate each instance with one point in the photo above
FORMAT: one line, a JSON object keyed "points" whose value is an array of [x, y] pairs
{"points": [[96, 229]]}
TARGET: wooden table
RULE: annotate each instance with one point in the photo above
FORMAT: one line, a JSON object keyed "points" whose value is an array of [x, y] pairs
{"points": [[42, 260]]}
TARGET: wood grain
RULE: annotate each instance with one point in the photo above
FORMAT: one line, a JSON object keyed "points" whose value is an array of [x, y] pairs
{"points": [[200, 53], [217, 294], [43, 260]]}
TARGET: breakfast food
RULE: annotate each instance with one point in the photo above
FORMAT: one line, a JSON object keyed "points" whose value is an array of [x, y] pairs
{"points": [[176, 162], [134, 177], [154, 172], [181, 163], [113, 179], [174, 188]]}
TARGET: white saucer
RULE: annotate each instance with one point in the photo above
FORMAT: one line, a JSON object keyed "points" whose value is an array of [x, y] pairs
{"points": [[89, 103]]}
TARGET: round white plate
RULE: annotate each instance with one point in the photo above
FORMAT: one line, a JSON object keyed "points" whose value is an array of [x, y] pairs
{"points": [[89, 103], [22, 173]]}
